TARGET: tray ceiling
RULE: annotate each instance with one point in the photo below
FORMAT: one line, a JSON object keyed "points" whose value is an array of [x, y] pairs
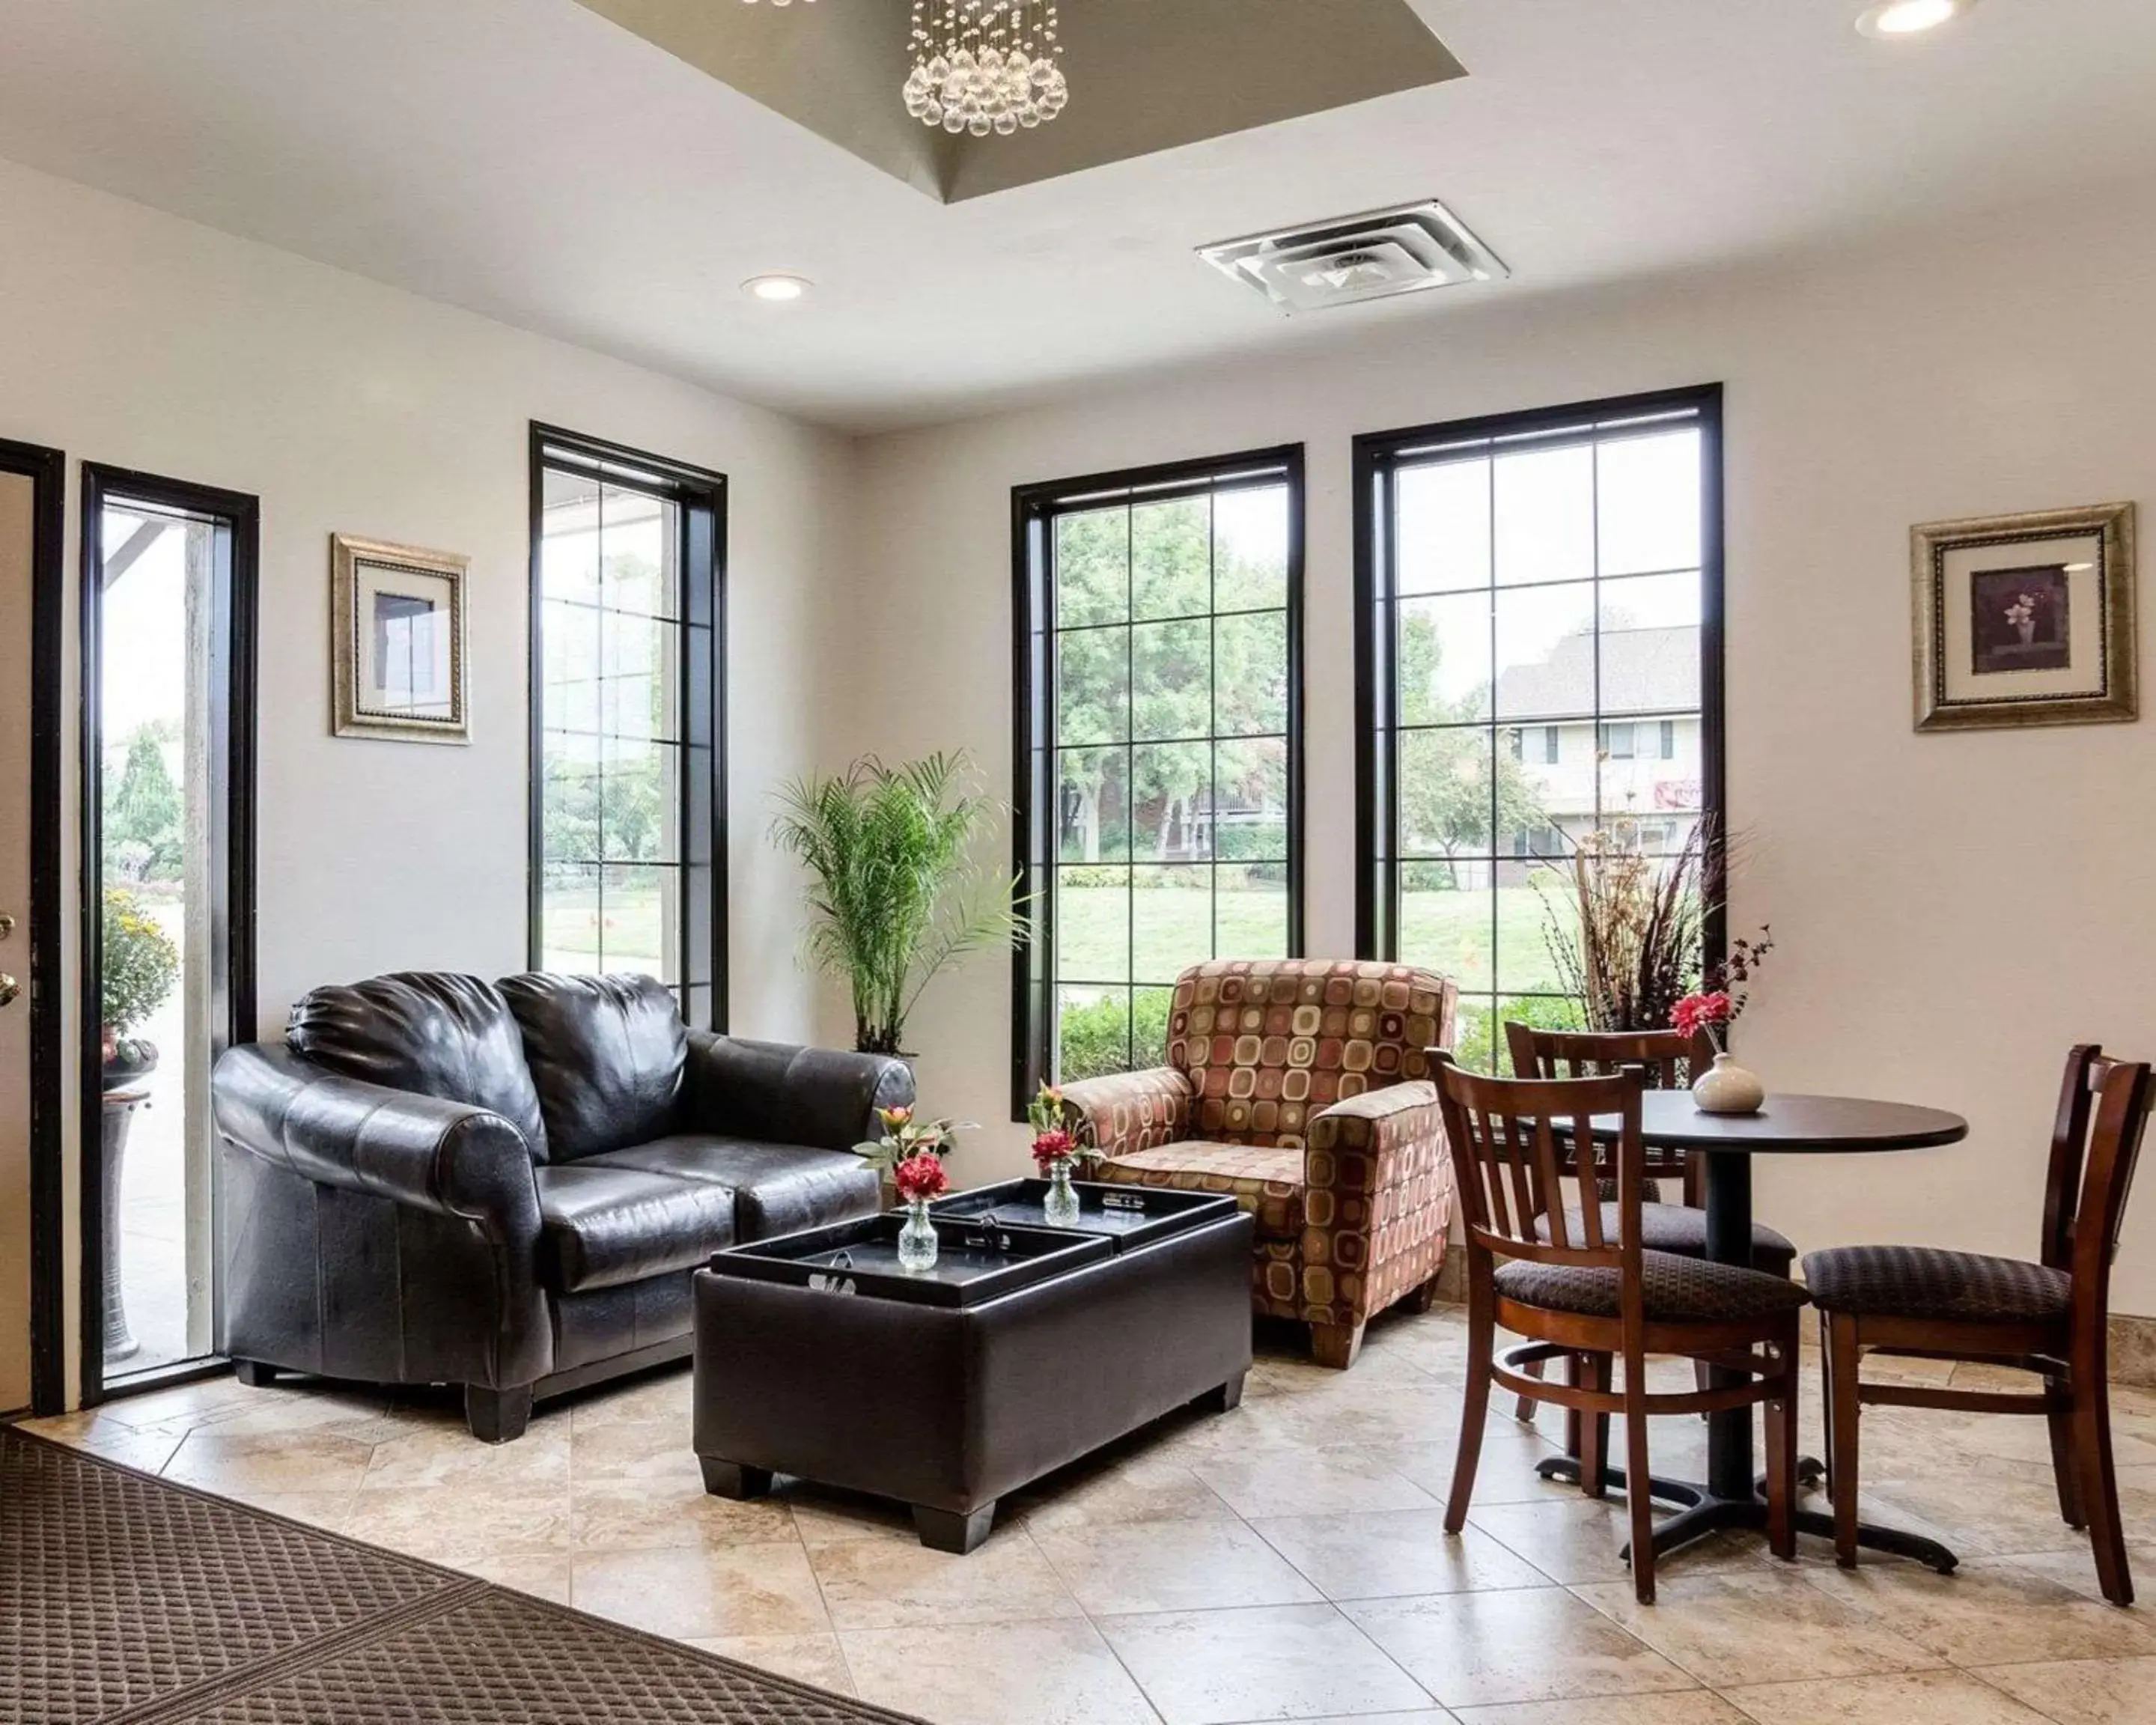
{"points": [[1145, 75]]}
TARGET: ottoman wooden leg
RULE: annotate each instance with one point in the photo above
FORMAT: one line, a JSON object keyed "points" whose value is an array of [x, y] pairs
{"points": [[254, 1373], [948, 1530], [1226, 1396], [729, 1479], [1336, 1345]]}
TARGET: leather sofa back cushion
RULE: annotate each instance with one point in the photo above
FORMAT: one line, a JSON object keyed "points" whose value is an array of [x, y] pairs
{"points": [[430, 1032], [606, 1053]]}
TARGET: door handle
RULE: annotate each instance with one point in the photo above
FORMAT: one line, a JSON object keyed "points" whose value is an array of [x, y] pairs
{"points": [[9, 988]]}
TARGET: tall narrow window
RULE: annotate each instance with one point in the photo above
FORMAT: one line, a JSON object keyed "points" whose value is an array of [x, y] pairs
{"points": [[168, 714], [1560, 571], [627, 641], [1158, 754]]}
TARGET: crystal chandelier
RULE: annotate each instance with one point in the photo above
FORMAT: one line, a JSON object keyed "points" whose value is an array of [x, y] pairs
{"points": [[985, 65]]}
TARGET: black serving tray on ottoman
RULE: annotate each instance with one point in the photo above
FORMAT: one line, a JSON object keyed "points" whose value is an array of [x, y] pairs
{"points": [[1127, 1216], [974, 1262], [1022, 1350]]}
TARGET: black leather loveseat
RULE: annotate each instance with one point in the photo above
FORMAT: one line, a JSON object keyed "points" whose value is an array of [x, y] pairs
{"points": [[437, 1180]]}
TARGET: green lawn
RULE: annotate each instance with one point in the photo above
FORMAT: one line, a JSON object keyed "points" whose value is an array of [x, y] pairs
{"points": [[632, 933], [1107, 936]]}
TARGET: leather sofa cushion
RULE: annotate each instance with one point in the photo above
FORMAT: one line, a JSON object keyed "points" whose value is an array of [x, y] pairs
{"points": [[430, 1032], [776, 1188], [601, 1227], [606, 1054]]}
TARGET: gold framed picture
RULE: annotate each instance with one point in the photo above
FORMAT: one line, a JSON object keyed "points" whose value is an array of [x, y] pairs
{"points": [[397, 641], [2026, 619]]}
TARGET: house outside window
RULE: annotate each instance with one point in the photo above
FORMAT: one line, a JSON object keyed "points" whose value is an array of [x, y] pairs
{"points": [[1556, 571]]}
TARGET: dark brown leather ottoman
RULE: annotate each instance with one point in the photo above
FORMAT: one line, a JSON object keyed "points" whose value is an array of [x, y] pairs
{"points": [[1025, 1350]]}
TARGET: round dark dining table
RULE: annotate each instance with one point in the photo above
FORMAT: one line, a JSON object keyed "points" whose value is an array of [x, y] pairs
{"points": [[1785, 1125]]}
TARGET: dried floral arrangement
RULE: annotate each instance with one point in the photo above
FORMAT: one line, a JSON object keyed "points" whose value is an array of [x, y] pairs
{"points": [[1636, 946]]}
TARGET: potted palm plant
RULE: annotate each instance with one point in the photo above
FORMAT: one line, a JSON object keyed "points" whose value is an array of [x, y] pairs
{"points": [[897, 890]]}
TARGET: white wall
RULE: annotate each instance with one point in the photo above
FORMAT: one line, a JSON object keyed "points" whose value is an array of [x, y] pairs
{"points": [[1951, 911], [132, 337]]}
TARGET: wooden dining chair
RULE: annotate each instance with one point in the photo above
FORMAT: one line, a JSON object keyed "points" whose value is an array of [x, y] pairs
{"points": [[1589, 1295], [2048, 1317], [1671, 1061]]}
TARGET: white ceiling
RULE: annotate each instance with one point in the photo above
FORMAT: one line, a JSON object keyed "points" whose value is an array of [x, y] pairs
{"points": [[527, 159]]}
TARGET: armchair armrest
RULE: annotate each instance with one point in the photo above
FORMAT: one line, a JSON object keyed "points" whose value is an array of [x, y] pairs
{"points": [[447, 1158], [1377, 1200], [784, 1094], [1129, 1111]]}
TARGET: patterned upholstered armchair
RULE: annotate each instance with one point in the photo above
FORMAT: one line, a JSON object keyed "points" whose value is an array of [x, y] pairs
{"points": [[1301, 1087]]}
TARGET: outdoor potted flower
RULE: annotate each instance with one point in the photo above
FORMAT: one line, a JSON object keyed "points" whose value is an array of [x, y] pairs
{"points": [[140, 964], [1725, 1087], [1056, 1152]]}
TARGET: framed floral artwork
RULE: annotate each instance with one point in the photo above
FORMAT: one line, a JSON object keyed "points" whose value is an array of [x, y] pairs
{"points": [[2026, 619], [398, 651]]}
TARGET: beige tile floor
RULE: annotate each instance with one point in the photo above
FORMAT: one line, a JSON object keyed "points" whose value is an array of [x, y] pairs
{"points": [[1283, 1562]]}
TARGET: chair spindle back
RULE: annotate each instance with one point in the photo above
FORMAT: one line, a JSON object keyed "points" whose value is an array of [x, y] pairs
{"points": [[1671, 1060], [1512, 1143]]}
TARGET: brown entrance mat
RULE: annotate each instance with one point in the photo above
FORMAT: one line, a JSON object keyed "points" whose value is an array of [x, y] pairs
{"points": [[127, 1597]]}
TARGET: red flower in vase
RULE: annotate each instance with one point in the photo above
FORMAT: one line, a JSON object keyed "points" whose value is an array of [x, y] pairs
{"points": [[1053, 1146], [920, 1178], [1703, 1012]]}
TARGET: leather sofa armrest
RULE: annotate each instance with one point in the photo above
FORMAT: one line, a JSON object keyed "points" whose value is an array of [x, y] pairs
{"points": [[448, 1158], [1129, 1111], [782, 1093]]}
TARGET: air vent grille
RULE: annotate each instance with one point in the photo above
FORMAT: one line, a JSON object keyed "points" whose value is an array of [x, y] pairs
{"points": [[1351, 258]]}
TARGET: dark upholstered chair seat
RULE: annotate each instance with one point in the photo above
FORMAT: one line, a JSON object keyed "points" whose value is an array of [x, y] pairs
{"points": [[777, 1188], [1926, 1282], [1675, 1290], [600, 1227], [1680, 1228]]}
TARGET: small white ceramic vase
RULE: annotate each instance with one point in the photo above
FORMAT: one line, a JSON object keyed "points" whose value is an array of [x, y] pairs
{"points": [[1726, 1088]]}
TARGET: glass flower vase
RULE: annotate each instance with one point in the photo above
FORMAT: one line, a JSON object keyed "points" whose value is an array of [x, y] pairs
{"points": [[1061, 1205], [916, 1239]]}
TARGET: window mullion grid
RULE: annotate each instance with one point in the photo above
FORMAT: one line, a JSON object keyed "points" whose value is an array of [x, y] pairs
{"points": [[1130, 734], [685, 966], [1594, 520], [599, 722], [1212, 724], [1490, 575]]}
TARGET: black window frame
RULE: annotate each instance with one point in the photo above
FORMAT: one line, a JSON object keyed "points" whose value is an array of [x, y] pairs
{"points": [[1378, 457], [1033, 508], [701, 496]]}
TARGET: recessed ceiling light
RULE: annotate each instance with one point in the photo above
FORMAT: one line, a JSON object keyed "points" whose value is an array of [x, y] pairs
{"points": [[1897, 18], [775, 288]]}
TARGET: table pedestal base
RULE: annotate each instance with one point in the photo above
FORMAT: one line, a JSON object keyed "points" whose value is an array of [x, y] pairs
{"points": [[1702, 1511]]}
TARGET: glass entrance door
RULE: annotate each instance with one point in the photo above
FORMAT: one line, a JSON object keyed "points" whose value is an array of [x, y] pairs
{"points": [[165, 792]]}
